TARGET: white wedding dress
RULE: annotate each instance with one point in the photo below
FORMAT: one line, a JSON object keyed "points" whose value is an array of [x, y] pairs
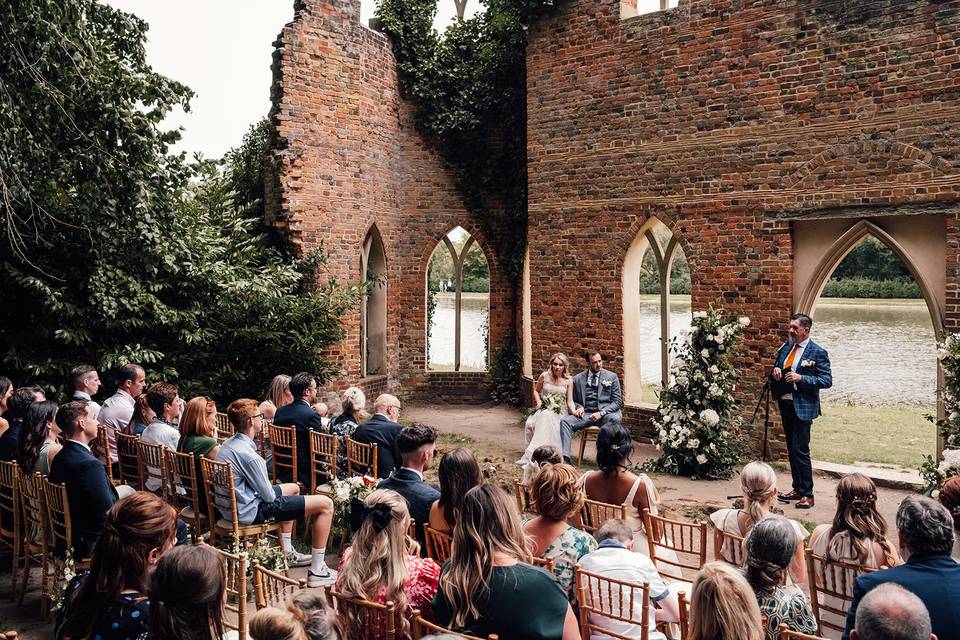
{"points": [[543, 427]]}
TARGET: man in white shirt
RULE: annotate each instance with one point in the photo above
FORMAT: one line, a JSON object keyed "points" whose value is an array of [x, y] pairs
{"points": [[117, 410], [613, 558], [164, 399], [85, 383]]}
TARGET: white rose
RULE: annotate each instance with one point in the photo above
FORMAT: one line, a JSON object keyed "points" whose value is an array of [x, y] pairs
{"points": [[682, 380], [720, 339], [743, 321], [714, 369], [693, 443], [709, 417], [942, 353], [713, 446], [702, 459], [666, 419], [705, 353], [697, 315]]}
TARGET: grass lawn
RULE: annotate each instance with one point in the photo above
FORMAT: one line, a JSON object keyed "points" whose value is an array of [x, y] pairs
{"points": [[890, 435]]}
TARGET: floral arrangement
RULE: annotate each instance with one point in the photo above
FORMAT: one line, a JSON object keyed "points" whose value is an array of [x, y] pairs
{"points": [[936, 473], [698, 427], [343, 492], [269, 556], [551, 402], [66, 572]]}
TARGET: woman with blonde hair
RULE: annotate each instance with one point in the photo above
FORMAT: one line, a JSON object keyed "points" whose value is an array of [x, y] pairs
{"points": [[278, 395], [305, 617], [389, 567], [488, 586], [723, 606], [557, 492], [758, 481], [552, 400]]}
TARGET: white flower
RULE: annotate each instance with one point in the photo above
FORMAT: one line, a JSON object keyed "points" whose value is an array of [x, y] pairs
{"points": [[720, 339], [705, 353], [714, 369], [713, 446], [715, 390], [743, 321], [693, 443], [702, 459], [682, 380], [951, 460], [942, 353], [666, 419], [711, 337], [709, 417], [697, 315]]}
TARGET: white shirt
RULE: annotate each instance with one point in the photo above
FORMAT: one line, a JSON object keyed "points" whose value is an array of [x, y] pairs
{"points": [[159, 432], [620, 563], [82, 444], [115, 415], [797, 357], [416, 471], [83, 395]]}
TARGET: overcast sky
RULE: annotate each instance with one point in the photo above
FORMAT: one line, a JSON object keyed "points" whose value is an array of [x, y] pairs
{"points": [[222, 50]]}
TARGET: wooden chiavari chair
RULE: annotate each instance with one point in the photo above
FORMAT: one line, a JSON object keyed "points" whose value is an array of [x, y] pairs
{"points": [[438, 544], [224, 428], [187, 492], [361, 618], [283, 440], [420, 628], [35, 547], [616, 600], [684, 606], [726, 545], [595, 513], [590, 433], [221, 500], [786, 634], [235, 566], [11, 525], [679, 536], [153, 469], [272, 589], [100, 446], [525, 501], [831, 589], [60, 528], [544, 563], [128, 458], [324, 448], [361, 458]]}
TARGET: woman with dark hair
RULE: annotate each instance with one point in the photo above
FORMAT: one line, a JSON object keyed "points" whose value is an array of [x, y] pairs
{"points": [[38, 438], [459, 472], [488, 586], [187, 595], [109, 602], [771, 546], [6, 390], [142, 416], [950, 498]]}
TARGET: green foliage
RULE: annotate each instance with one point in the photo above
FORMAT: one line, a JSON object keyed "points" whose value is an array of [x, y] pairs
{"points": [[121, 252], [476, 273], [505, 374], [869, 288], [934, 472], [679, 275], [873, 260]]}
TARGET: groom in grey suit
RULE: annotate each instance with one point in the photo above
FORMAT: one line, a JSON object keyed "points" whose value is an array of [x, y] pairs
{"points": [[599, 400]]}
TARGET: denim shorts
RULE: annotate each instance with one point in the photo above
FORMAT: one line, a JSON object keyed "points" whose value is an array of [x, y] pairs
{"points": [[282, 509]]}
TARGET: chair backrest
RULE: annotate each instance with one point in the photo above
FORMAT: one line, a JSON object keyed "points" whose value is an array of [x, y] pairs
{"points": [[438, 544], [128, 458], [689, 538], [219, 491], [59, 524], [224, 427], [544, 563], [10, 509], [525, 501], [728, 547], [235, 566], [361, 618], [615, 600], [283, 440], [323, 458], [361, 458], [100, 446], [186, 487], [833, 579], [34, 508], [153, 466], [272, 589], [684, 606], [420, 628], [786, 634], [594, 513]]}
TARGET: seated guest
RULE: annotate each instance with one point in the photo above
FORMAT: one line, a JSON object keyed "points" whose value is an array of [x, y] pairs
{"points": [[488, 587], [417, 444], [559, 496], [6, 390], [614, 558], [84, 384], [771, 546], [89, 490], [38, 444], [459, 472], [389, 567], [926, 539], [352, 412], [890, 612], [758, 481], [118, 409], [306, 616], [260, 501], [277, 396], [299, 415], [383, 430], [187, 592], [544, 454], [165, 402], [722, 606], [142, 416], [197, 434], [321, 409], [18, 403], [109, 602], [950, 498]]}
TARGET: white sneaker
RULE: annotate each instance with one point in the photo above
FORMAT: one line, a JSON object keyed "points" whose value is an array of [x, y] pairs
{"points": [[295, 559], [327, 576]]}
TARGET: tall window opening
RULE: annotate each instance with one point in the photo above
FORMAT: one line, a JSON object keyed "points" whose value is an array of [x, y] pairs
{"points": [[458, 305], [373, 316]]}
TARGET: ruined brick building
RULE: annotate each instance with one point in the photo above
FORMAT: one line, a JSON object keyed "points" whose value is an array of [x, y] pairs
{"points": [[768, 136]]}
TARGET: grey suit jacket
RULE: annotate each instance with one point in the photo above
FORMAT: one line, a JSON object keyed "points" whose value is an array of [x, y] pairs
{"points": [[609, 394]]}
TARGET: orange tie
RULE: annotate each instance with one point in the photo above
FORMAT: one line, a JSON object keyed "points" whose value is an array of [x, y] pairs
{"points": [[789, 361]]}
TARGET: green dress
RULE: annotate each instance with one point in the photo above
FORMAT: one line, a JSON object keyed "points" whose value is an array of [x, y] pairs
{"points": [[199, 446], [520, 588]]}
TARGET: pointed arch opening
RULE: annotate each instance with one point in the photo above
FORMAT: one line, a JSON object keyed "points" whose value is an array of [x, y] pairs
{"points": [[373, 313], [458, 304]]}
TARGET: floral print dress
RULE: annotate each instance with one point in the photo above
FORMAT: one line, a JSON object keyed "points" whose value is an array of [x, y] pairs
{"points": [[566, 551], [789, 607]]}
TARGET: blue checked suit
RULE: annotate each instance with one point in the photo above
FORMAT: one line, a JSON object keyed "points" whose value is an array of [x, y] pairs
{"points": [[814, 376]]}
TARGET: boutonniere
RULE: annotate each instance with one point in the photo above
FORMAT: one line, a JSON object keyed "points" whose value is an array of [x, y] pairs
{"points": [[807, 363], [606, 383]]}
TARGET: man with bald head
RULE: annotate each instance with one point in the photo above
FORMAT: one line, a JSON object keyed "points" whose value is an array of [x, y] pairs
{"points": [[383, 430], [890, 612]]}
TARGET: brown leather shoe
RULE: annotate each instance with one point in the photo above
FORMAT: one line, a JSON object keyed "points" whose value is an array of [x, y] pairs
{"points": [[788, 497], [805, 503]]}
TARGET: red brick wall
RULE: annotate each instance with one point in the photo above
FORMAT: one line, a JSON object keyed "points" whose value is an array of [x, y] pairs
{"points": [[727, 120], [348, 157]]}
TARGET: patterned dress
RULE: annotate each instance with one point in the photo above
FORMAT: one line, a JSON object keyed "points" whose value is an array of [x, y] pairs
{"points": [[126, 618], [342, 426], [789, 607], [566, 551]]}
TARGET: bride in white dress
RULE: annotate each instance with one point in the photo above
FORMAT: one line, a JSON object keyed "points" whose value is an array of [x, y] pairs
{"points": [[553, 397]]}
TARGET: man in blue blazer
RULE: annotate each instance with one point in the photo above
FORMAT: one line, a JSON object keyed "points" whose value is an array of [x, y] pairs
{"points": [[598, 399], [89, 491], [926, 539], [802, 368], [383, 430], [300, 415], [417, 445]]}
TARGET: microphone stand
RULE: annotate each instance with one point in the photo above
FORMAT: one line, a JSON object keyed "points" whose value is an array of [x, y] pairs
{"points": [[765, 397]]}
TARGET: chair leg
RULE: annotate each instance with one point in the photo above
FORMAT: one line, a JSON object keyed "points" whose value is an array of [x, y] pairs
{"points": [[583, 446], [15, 564], [26, 576]]}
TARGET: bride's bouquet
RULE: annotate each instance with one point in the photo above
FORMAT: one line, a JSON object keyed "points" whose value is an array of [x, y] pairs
{"points": [[549, 402]]}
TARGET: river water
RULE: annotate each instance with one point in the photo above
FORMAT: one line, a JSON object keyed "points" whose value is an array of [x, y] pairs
{"points": [[474, 309]]}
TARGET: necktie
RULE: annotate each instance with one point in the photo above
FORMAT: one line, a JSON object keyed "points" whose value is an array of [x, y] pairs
{"points": [[593, 379], [789, 361]]}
